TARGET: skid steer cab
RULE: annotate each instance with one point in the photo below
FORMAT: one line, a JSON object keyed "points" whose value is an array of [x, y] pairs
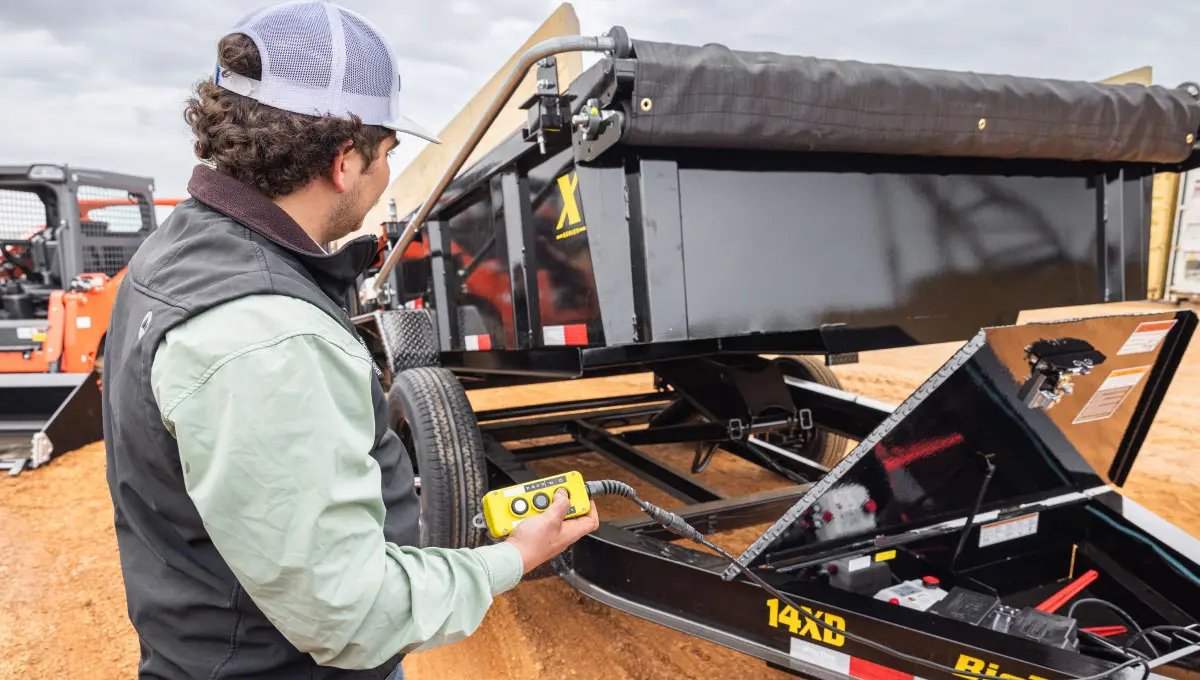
{"points": [[66, 236]]}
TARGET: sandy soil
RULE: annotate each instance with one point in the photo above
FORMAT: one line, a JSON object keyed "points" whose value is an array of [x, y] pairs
{"points": [[62, 611]]}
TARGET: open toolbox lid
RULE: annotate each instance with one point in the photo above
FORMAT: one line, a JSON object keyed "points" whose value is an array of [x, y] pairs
{"points": [[1057, 408]]}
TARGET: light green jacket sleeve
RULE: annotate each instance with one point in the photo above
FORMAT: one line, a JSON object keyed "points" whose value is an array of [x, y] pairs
{"points": [[270, 402]]}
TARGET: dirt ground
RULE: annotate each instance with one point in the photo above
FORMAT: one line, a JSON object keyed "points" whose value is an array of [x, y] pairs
{"points": [[62, 610]]}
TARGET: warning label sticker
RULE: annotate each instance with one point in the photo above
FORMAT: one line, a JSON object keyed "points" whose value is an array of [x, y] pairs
{"points": [[1111, 394], [1146, 337], [1008, 529]]}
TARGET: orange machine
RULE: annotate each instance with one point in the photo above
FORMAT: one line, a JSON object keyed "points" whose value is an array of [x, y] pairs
{"points": [[74, 326], [66, 237]]}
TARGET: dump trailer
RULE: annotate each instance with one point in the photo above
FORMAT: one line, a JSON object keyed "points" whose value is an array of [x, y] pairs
{"points": [[66, 236], [734, 223]]}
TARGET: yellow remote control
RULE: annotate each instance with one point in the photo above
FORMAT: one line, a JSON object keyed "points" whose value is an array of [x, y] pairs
{"points": [[504, 509]]}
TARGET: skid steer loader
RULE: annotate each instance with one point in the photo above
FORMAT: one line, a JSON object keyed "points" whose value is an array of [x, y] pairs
{"points": [[66, 236]]}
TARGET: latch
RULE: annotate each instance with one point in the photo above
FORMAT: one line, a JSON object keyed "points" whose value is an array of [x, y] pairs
{"points": [[548, 111], [1053, 365]]}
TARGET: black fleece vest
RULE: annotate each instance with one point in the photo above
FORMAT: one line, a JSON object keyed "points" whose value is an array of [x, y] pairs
{"points": [[194, 620]]}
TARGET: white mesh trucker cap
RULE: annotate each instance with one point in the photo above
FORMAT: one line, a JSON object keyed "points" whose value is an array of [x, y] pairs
{"points": [[321, 59]]}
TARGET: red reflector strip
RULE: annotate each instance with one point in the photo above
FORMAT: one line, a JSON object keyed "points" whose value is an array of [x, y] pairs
{"points": [[842, 663], [571, 334], [476, 343], [866, 670]]}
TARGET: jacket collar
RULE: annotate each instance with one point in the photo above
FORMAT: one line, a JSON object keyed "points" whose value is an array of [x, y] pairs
{"points": [[257, 212]]}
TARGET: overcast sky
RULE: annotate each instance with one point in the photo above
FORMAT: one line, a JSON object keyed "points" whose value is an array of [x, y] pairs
{"points": [[101, 84]]}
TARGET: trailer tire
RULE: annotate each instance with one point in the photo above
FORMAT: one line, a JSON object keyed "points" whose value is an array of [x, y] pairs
{"points": [[428, 409], [825, 448]]}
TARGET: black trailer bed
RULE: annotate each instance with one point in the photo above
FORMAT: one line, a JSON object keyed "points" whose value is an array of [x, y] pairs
{"points": [[854, 207], [692, 237]]}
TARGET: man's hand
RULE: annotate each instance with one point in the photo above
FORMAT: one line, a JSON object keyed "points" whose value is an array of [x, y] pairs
{"points": [[543, 536]]}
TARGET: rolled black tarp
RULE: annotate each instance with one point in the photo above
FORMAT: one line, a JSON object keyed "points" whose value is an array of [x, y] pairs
{"points": [[715, 97]]}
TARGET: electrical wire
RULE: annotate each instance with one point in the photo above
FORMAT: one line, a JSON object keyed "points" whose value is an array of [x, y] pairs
{"points": [[677, 525], [1124, 615], [1144, 633], [1100, 643]]}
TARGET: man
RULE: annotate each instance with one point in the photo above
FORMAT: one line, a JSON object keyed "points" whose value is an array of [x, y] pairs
{"points": [[265, 514]]}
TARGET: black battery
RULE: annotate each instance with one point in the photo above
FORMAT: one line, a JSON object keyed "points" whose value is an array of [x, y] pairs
{"points": [[1050, 629], [967, 606]]}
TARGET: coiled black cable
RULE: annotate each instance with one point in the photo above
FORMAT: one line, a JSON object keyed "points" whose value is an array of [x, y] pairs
{"points": [[678, 525]]}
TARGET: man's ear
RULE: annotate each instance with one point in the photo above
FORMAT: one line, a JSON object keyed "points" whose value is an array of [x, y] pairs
{"points": [[339, 167]]}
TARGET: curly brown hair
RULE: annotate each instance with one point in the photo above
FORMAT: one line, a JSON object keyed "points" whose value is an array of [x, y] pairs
{"points": [[272, 150]]}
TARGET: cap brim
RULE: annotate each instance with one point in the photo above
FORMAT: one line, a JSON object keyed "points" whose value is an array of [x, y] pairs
{"points": [[402, 123]]}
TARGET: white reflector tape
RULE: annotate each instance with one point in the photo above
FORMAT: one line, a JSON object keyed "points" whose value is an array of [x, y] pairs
{"points": [[475, 343], [822, 657], [572, 334], [844, 664]]}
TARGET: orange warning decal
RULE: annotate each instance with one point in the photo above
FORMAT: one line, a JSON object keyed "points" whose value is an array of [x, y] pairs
{"points": [[1111, 394], [1146, 337]]}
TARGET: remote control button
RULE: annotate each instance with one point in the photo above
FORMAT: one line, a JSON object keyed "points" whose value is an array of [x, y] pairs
{"points": [[520, 506], [541, 501]]}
